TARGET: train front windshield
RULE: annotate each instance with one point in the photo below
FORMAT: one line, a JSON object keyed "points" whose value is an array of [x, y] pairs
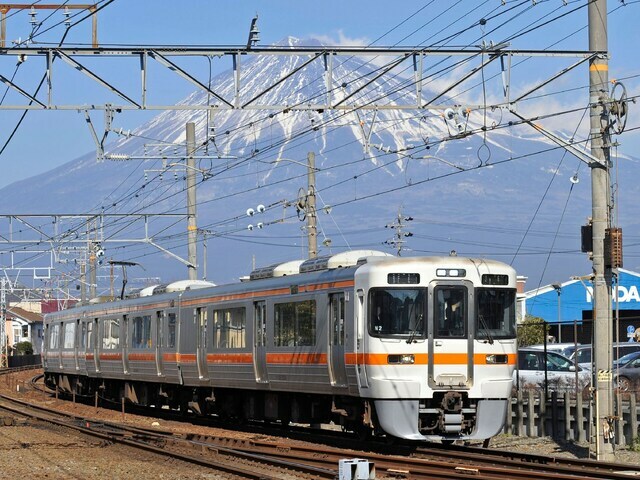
{"points": [[397, 311], [496, 313]]}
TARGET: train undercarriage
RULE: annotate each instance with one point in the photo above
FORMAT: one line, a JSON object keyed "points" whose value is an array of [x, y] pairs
{"points": [[236, 405], [448, 415]]}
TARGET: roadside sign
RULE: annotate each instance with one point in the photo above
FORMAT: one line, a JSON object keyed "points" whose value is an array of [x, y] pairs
{"points": [[630, 331]]}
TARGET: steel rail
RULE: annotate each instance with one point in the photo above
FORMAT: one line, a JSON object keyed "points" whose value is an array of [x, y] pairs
{"points": [[148, 442]]}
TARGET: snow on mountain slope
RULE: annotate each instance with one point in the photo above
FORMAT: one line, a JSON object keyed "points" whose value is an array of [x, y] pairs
{"points": [[476, 195]]}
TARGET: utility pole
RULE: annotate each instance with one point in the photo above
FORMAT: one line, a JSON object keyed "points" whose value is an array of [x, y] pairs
{"points": [[306, 204], [205, 235], [192, 229], [93, 275], [399, 240], [312, 230], [4, 360], [602, 335], [83, 283]]}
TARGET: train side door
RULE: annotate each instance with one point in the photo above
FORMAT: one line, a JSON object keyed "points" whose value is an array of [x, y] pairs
{"points": [[159, 334], [201, 342], [60, 345], [93, 340], [76, 342], [451, 336], [361, 341], [260, 342], [125, 343], [86, 345], [337, 370]]}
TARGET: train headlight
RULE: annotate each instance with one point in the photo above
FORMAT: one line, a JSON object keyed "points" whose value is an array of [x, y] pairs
{"points": [[406, 359], [496, 359]]}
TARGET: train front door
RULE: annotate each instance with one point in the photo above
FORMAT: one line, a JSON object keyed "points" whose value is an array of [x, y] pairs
{"points": [[450, 335], [260, 342], [337, 370]]}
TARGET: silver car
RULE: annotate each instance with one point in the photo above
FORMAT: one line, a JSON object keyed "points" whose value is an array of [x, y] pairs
{"points": [[582, 356], [627, 372], [560, 371]]}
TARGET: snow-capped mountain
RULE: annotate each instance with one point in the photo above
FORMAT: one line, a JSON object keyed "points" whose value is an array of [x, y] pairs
{"points": [[491, 194]]}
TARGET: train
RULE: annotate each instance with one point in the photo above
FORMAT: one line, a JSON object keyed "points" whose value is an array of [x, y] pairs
{"points": [[416, 348]]}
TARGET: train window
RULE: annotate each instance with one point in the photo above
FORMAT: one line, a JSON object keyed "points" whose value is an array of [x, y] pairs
{"points": [[54, 333], [496, 313], [229, 327], [141, 337], [83, 335], [451, 312], [337, 319], [397, 311], [260, 313], [494, 279], [200, 314], [69, 334], [111, 334], [400, 278], [159, 324], [90, 342], [171, 330], [295, 324]]}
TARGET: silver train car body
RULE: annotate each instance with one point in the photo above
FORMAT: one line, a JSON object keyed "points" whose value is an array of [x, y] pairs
{"points": [[418, 348]]}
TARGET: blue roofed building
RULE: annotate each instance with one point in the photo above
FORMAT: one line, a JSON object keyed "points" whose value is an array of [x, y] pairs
{"points": [[568, 307]]}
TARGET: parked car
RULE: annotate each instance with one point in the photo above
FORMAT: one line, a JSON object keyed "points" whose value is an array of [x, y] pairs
{"points": [[627, 372], [561, 372], [564, 349], [582, 356]]}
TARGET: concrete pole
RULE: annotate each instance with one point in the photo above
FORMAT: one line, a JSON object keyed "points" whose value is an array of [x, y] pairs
{"points": [[204, 255], [93, 276], [312, 230], [83, 283], [3, 327], [602, 335], [192, 229]]}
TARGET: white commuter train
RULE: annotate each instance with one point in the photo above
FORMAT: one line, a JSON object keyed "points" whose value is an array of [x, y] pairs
{"points": [[418, 348]]}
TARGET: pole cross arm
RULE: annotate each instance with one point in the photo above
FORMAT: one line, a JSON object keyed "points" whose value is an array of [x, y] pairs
{"points": [[12, 85], [157, 56], [171, 254], [569, 147]]}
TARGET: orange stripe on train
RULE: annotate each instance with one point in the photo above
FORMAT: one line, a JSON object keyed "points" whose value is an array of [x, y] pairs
{"points": [[423, 358]]}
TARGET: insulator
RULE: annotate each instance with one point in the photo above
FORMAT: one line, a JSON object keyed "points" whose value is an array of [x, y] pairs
{"points": [[118, 156]]}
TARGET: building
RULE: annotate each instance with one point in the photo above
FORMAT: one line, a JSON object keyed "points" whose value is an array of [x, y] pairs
{"points": [[24, 326], [568, 308]]}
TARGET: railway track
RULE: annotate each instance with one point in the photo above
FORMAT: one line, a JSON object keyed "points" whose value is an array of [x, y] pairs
{"points": [[320, 461], [238, 463]]}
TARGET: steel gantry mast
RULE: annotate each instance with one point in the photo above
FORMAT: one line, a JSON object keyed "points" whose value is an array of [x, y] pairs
{"points": [[414, 58]]}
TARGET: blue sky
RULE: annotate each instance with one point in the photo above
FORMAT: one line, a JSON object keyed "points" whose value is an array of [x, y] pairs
{"points": [[48, 139]]}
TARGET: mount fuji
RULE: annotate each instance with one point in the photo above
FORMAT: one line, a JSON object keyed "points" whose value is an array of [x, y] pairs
{"points": [[503, 193]]}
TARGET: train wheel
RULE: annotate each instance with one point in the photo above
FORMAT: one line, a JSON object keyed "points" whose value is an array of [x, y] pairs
{"points": [[390, 440], [447, 441], [364, 432], [285, 424]]}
